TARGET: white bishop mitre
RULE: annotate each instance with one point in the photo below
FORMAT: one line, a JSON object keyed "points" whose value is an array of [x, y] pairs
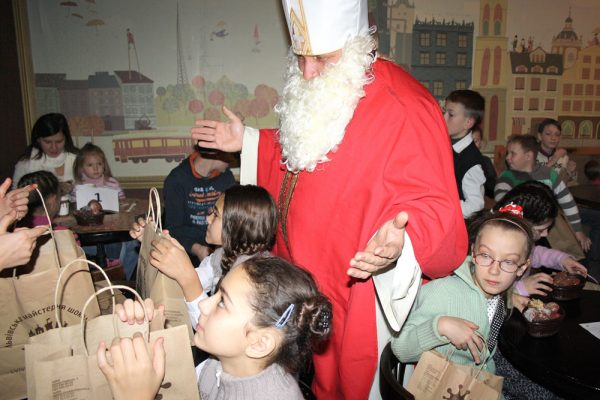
{"points": [[323, 26]]}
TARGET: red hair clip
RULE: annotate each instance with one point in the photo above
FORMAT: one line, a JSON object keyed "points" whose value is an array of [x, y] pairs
{"points": [[513, 209]]}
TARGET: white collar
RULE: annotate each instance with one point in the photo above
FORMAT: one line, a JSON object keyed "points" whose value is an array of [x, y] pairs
{"points": [[463, 143]]}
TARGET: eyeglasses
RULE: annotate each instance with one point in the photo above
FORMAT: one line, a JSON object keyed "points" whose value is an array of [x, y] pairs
{"points": [[485, 260]]}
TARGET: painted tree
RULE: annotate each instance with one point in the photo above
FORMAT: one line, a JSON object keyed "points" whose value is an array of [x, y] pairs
{"points": [[267, 93], [212, 113], [216, 98], [259, 108], [242, 108], [196, 106], [170, 105]]}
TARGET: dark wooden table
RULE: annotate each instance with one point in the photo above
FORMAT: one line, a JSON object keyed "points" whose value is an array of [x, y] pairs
{"points": [[567, 363], [115, 227], [587, 195]]}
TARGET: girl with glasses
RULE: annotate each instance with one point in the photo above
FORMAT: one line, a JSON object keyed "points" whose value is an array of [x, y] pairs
{"points": [[461, 309]]}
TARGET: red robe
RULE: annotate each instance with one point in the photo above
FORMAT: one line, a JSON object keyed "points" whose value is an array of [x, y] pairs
{"points": [[395, 156]]}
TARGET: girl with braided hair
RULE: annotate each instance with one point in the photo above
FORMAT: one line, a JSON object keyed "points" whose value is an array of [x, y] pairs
{"points": [[242, 223], [261, 327]]}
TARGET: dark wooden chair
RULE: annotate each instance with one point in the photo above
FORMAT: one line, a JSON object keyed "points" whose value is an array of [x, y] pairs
{"points": [[391, 373]]}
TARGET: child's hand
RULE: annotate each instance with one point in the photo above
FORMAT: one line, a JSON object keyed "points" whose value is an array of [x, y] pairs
{"points": [[462, 334], [520, 302], [137, 229], [171, 259], [15, 199], [559, 153], [133, 312], [200, 251], [130, 372], [538, 284], [584, 241], [572, 266], [66, 187], [16, 247]]}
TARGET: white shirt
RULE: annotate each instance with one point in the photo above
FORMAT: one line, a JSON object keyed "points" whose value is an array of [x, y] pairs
{"points": [[472, 183]]}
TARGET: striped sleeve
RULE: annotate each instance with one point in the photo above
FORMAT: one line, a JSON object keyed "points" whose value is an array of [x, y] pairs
{"points": [[503, 185], [567, 203]]}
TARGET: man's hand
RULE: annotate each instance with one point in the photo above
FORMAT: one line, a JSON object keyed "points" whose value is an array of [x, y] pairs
{"points": [[383, 249], [131, 372], [584, 241], [15, 199], [540, 284], [462, 334], [224, 136]]}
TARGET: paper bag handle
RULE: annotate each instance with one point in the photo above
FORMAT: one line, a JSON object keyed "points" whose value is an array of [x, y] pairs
{"points": [[50, 230], [483, 363], [62, 271], [154, 209], [111, 287]]}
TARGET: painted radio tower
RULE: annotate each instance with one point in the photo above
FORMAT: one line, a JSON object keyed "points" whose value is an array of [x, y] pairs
{"points": [[181, 73]]}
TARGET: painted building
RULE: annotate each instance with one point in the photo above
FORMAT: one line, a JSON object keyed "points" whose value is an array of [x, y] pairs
{"points": [[580, 98], [491, 67], [106, 100], [441, 55], [138, 99], [400, 20], [533, 93], [47, 97], [567, 43], [74, 98]]}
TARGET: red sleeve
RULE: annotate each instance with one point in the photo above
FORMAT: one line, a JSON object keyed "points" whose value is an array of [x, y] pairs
{"points": [[421, 164]]}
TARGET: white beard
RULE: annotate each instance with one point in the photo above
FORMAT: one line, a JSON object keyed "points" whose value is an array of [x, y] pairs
{"points": [[314, 113]]}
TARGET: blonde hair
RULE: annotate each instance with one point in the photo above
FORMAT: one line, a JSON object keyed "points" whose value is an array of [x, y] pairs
{"points": [[90, 149]]}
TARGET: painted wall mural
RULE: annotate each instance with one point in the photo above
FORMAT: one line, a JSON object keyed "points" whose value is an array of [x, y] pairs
{"points": [[531, 59], [134, 75]]}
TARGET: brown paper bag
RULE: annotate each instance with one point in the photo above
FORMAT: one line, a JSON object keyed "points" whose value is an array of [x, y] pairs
{"points": [[72, 281], [436, 377], [153, 283], [63, 364], [12, 373], [562, 237], [27, 300]]}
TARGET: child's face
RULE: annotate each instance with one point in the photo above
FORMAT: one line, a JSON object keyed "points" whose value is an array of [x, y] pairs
{"points": [[53, 145], [503, 246], [215, 223], [541, 230], [517, 158], [93, 166], [456, 120], [549, 138], [226, 318]]}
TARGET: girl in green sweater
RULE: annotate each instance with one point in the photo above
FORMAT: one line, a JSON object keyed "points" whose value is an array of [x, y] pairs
{"points": [[475, 300]]}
